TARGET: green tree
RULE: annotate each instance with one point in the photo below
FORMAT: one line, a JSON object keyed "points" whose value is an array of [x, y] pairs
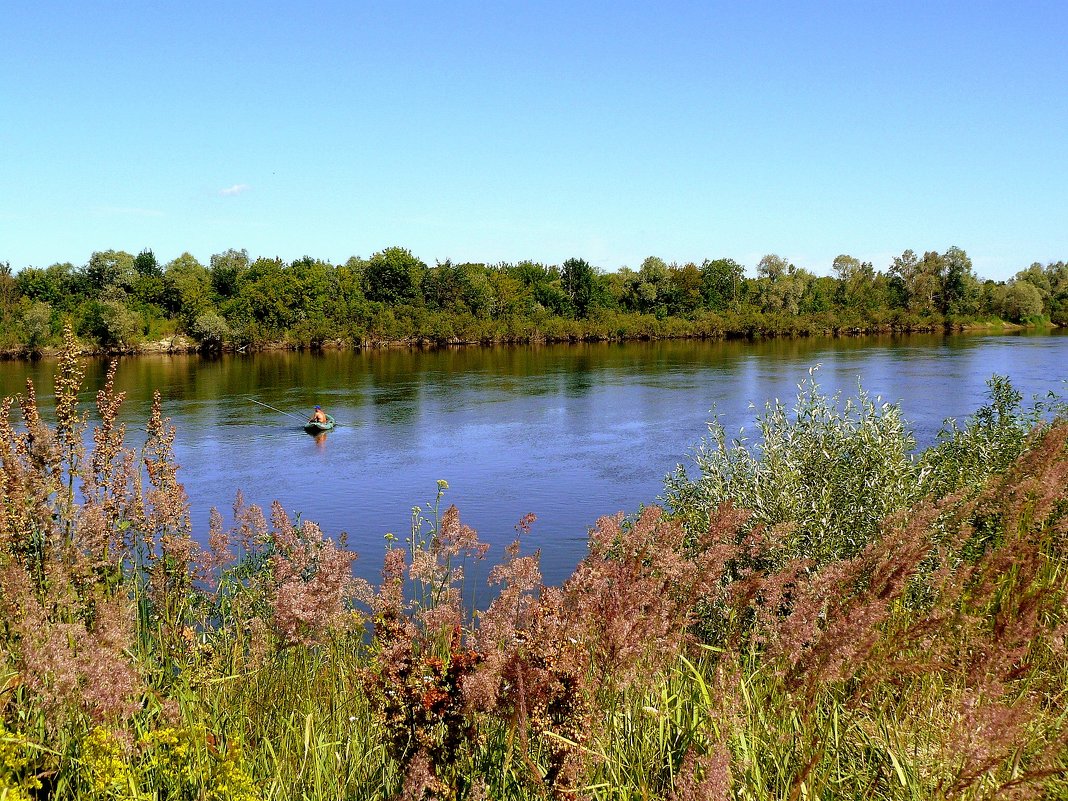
{"points": [[38, 323], [356, 266], [476, 290], [686, 289], [210, 330], [532, 274], [782, 285], [578, 282], [146, 264], [858, 289], [1037, 277], [226, 269], [960, 286], [313, 283], [111, 322], [903, 271], [147, 285], [921, 280], [773, 267], [819, 295], [1020, 301], [1057, 274], [722, 282], [109, 268], [918, 282], [618, 286], [552, 298], [513, 298], [71, 284], [187, 288], [441, 286], [348, 307], [264, 302], [47, 286], [654, 286], [9, 296], [393, 276]]}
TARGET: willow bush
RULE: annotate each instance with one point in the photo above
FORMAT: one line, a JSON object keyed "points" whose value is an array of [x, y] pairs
{"points": [[828, 471]]}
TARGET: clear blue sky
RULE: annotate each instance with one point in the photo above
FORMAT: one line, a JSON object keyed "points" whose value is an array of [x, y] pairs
{"points": [[503, 131]]}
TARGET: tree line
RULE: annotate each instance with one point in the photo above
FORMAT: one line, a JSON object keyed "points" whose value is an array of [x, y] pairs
{"points": [[118, 300]]}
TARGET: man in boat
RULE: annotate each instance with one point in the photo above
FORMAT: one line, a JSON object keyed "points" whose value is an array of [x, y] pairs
{"points": [[318, 416]]}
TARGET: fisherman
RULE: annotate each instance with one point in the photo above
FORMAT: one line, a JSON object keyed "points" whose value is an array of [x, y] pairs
{"points": [[318, 416]]}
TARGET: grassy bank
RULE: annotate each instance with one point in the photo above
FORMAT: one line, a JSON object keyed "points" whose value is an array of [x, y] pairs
{"points": [[821, 613], [621, 328], [605, 328]]}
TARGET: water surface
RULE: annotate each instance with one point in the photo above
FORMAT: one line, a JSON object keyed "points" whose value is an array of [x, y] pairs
{"points": [[569, 432]]}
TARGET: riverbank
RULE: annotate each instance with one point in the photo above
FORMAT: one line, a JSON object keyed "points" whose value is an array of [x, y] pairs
{"points": [[564, 331]]}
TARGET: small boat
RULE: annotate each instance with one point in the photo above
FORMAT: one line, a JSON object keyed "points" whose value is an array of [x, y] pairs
{"points": [[318, 428]]}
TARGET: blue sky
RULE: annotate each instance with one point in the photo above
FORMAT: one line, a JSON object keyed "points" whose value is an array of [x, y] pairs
{"points": [[505, 131]]}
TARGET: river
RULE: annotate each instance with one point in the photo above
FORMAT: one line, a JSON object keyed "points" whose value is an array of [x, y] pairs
{"points": [[568, 432]]}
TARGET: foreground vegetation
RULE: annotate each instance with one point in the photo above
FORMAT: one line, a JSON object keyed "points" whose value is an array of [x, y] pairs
{"points": [[823, 613], [124, 302]]}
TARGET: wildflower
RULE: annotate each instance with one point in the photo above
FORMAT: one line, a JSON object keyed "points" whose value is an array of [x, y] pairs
{"points": [[704, 778], [102, 758], [218, 553], [420, 781], [252, 528], [230, 781], [16, 777], [313, 580], [454, 538], [425, 568], [74, 664]]}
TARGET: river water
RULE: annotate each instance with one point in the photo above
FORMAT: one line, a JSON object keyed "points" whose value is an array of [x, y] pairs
{"points": [[568, 432]]}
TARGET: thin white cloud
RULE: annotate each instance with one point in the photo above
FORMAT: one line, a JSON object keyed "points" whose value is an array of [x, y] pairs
{"points": [[236, 189]]}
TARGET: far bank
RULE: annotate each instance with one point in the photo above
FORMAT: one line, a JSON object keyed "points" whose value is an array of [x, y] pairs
{"points": [[553, 330]]}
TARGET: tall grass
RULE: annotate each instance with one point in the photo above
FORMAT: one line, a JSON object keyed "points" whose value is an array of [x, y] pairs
{"points": [[824, 614]]}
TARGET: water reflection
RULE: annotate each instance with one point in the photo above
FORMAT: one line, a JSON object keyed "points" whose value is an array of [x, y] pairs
{"points": [[569, 432]]}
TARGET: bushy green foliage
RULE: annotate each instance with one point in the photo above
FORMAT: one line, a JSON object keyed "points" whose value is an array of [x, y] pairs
{"points": [[210, 330], [393, 276], [112, 322], [827, 472], [308, 302], [38, 323], [988, 441]]}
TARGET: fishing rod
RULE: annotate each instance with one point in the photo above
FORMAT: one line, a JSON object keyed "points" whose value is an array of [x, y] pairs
{"points": [[276, 409]]}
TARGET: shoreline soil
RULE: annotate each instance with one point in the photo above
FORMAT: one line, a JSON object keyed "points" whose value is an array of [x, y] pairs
{"points": [[181, 344]]}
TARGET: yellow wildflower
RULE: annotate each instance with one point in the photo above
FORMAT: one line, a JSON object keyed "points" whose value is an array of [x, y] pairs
{"points": [[102, 758], [15, 781]]}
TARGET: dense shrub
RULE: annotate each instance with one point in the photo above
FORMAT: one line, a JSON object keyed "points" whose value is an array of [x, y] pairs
{"points": [[210, 330], [828, 471]]}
